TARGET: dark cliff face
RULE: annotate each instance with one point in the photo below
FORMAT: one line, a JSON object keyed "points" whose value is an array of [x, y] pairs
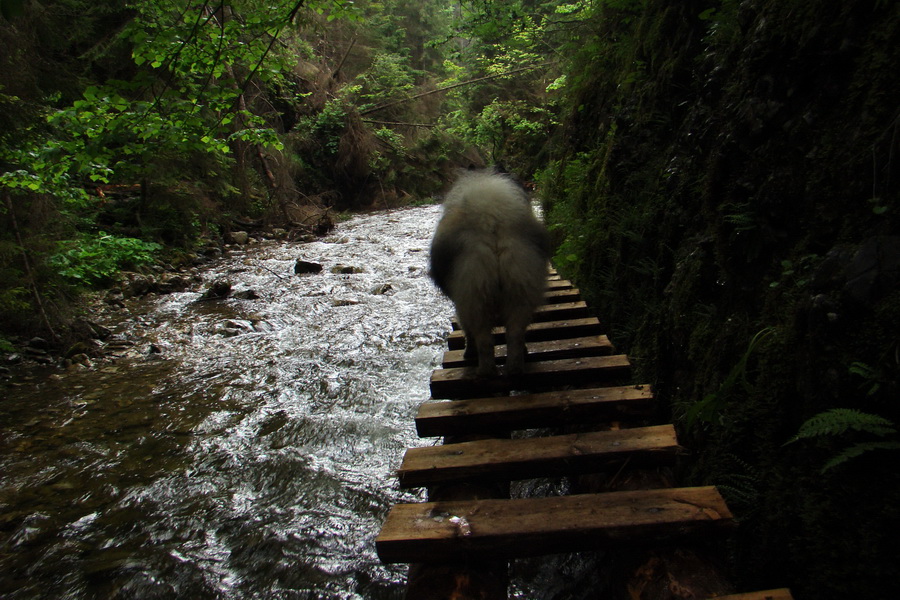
{"points": [[725, 190]]}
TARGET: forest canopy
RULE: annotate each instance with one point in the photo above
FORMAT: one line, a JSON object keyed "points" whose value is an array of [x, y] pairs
{"points": [[132, 132]]}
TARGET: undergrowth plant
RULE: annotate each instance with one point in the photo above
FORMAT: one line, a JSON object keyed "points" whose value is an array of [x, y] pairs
{"points": [[97, 259], [838, 422], [711, 404]]}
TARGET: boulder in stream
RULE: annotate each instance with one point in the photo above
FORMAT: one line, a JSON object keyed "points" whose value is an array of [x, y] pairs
{"points": [[241, 238], [302, 267], [346, 270], [219, 290], [246, 295]]}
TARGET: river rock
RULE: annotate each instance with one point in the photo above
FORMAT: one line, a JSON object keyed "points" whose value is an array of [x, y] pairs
{"points": [[115, 297], [232, 328], [80, 362], [137, 284], [346, 270], [37, 343], [302, 267], [172, 282], [241, 238], [863, 273], [209, 252], [344, 302], [874, 269], [246, 295], [218, 290]]}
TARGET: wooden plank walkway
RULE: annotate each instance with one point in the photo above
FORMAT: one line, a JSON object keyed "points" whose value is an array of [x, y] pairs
{"points": [[527, 458], [593, 345], [573, 378], [480, 529], [539, 331], [531, 411]]}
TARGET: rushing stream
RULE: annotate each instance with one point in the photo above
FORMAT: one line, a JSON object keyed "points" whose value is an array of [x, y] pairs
{"points": [[249, 454]]}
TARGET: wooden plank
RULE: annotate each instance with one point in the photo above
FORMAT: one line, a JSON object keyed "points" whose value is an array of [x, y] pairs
{"points": [[529, 458], [779, 594], [480, 529], [595, 345], [565, 295], [537, 332], [527, 411], [559, 311], [463, 383], [559, 284], [551, 312]]}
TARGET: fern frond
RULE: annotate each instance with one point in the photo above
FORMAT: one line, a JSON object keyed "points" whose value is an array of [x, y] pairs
{"points": [[858, 449], [840, 420]]}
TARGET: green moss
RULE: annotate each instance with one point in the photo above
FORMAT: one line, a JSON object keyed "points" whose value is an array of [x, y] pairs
{"points": [[713, 179]]}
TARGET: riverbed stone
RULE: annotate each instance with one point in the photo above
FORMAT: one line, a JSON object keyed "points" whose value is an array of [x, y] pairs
{"points": [[172, 282], [246, 295], [218, 290], [346, 270], [302, 267], [241, 238], [137, 284]]}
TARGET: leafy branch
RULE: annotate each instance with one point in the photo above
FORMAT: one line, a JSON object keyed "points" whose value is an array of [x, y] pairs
{"points": [[450, 87]]}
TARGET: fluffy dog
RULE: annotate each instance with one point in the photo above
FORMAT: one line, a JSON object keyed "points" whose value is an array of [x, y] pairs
{"points": [[489, 255]]}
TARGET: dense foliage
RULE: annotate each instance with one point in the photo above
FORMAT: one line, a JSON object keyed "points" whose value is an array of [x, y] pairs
{"points": [[133, 130], [724, 186]]}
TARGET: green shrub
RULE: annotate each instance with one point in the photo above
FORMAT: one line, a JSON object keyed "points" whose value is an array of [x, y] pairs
{"points": [[93, 260]]}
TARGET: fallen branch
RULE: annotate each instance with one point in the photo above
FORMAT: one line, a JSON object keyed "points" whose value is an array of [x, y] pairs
{"points": [[343, 59], [450, 87], [26, 262], [398, 124]]}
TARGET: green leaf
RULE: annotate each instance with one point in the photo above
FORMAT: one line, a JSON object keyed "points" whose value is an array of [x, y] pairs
{"points": [[837, 421], [858, 450]]}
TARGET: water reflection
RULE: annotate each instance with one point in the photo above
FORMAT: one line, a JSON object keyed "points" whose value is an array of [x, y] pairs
{"points": [[250, 455]]}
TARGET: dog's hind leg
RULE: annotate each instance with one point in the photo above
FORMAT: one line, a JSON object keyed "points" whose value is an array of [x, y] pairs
{"points": [[515, 346], [471, 352], [483, 340]]}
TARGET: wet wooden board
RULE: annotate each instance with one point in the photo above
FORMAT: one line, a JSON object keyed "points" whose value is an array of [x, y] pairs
{"points": [[528, 411], [779, 594], [462, 382], [536, 332], [528, 458], [595, 345], [552, 312], [564, 295], [481, 529], [559, 284], [560, 311]]}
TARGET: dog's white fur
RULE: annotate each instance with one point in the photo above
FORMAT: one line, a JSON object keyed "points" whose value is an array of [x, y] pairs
{"points": [[489, 255]]}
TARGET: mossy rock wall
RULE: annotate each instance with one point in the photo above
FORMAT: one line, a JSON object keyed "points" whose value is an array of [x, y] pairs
{"points": [[724, 188]]}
